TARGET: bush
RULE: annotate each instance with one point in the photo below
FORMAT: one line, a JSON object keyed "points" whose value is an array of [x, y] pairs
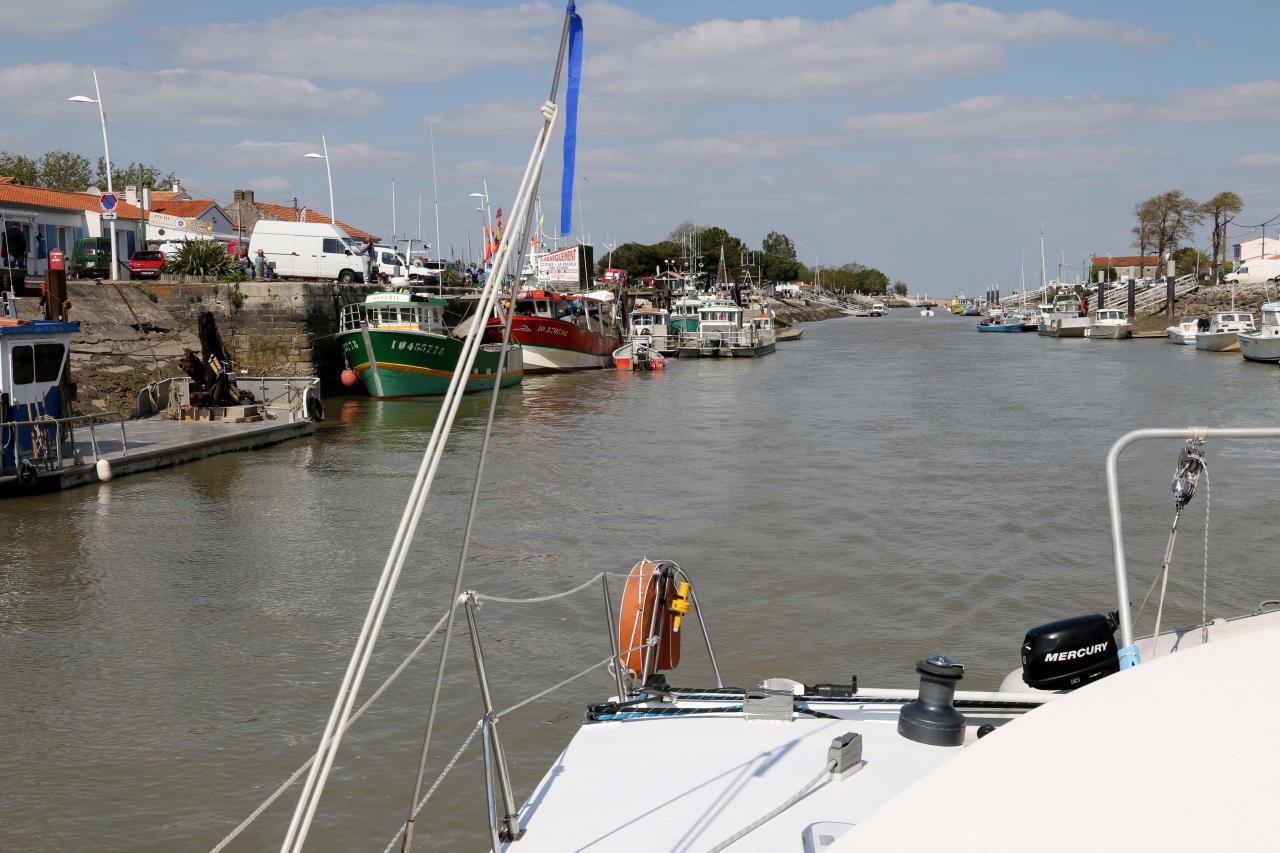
{"points": [[207, 258]]}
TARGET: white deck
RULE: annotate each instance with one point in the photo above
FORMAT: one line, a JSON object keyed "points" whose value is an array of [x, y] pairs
{"points": [[688, 783]]}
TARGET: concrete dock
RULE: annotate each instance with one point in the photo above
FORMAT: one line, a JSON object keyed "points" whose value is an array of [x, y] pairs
{"points": [[146, 445]]}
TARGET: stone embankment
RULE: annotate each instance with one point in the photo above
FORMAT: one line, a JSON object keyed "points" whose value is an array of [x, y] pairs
{"points": [[133, 333], [790, 311], [1204, 301]]}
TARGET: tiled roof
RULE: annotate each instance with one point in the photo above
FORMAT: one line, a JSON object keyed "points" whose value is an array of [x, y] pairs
{"points": [[158, 196], [190, 208], [1125, 260], [285, 213], [59, 199], [6, 179]]}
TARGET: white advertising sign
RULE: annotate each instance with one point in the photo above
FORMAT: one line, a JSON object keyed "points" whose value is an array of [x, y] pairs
{"points": [[560, 267], [179, 223]]}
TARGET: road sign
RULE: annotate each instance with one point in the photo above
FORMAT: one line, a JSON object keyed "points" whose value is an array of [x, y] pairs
{"points": [[109, 202], [108, 215]]}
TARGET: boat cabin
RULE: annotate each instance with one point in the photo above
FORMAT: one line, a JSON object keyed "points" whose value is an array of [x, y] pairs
{"points": [[34, 359], [651, 324], [1108, 316], [409, 312], [1230, 321], [684, 314], [587, 310], [1271, 314], [719, 316]]}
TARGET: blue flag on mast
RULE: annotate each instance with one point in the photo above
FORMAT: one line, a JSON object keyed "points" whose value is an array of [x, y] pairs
{"points": [[571, 119]]}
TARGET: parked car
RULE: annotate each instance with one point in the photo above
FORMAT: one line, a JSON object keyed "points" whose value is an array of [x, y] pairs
{"points": [[91, 258], [311, 250], [146, 263]]}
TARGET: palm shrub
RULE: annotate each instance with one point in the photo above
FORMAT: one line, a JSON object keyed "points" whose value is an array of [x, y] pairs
{"points": [[207, 258]]}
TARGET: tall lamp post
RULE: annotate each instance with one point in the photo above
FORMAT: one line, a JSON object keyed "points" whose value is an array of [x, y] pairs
{"points": [[106, 150], [333, 217], [486, 214]]}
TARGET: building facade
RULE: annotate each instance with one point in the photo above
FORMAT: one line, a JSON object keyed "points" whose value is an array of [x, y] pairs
{"points": [[35, 220]]}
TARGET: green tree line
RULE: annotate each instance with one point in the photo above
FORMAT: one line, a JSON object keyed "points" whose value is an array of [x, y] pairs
{"points": [[774, 260], [67, 170]]}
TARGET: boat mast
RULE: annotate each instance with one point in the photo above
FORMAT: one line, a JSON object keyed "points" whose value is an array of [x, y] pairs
{"points": [[1022, 279], [1044, 284]]}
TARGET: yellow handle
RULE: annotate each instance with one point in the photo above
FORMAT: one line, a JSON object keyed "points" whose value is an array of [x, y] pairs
{"points": [[679, 605]]}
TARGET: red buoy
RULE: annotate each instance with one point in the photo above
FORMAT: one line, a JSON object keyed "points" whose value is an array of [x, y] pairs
{"points": [[349, 378]]}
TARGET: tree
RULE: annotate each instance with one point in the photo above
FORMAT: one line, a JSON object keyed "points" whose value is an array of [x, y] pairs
{"points": [[1189, 260], [900, 288], [1222, 208], [1144, 231], [138, 174], [64, 170], [1171, 218], [776, 243], [871, 281], [21, 168], [779, 268]]}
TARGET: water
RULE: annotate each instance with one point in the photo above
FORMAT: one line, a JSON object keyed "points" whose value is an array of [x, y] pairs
{"points": [[881, 490]]}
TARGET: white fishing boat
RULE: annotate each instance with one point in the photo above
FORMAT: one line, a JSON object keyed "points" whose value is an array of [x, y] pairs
{"points": [[653, 326], [1062, 320], [637, 354], [1263, 343], [878, 309], [1224, 328], [926, 311], [1108, 324], [1185, 330]]}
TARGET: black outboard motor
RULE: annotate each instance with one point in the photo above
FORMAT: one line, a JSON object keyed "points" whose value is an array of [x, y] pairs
{"points": [[1070, 653]]}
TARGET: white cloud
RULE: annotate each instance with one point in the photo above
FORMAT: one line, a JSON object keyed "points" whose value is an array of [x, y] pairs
{"points": [[396, 42], [883, 49], [1259, 161], [179, 97], [344, 157], [270, 184], [56, 18], [1255, 101], [996, 118], [518, 119]]}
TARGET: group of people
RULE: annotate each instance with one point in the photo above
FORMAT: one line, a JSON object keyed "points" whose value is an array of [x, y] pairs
{"points": [[255, 266]]}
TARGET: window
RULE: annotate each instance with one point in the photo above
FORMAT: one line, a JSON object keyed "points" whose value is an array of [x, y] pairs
{"points": [[48, 358], [24, 366], [332, 246]]}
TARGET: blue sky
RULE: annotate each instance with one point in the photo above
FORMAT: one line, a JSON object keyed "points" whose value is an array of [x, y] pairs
{"points": [[929, 139]]}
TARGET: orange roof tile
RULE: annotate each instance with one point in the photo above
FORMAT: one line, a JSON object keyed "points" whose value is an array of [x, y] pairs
{"points": [[6, 179], [1125, 260], [285, 213], [190, 208], [60, 200]]}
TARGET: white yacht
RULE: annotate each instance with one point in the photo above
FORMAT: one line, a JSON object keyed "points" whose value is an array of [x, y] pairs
{"points": [[1108, 324], [1184, 331], [1263, 343], [1224, 328], [652, 325]]}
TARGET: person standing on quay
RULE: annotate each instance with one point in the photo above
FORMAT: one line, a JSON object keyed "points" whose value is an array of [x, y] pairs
{"points": [[368, 251]]}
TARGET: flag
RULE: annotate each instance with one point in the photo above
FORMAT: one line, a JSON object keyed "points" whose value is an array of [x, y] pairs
{"points": [[488, 244], [498, 234], [573, 84]]}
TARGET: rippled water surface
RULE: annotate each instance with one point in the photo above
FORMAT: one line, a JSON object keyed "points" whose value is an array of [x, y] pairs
{"points": [[880, 490]]}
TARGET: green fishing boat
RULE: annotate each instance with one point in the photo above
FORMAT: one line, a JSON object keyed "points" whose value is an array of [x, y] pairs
{"points": [[398, 344], [684, 315]]}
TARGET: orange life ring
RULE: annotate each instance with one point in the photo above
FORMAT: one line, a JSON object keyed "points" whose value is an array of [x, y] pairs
{"points": [[649, 588]]}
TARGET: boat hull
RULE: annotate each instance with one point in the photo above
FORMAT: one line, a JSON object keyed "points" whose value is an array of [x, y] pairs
{"points": [[1015, 328], [1109, 333], [1068, 328], [1177, 336], [1218, 341], [1258, 348], [416, 364], [552, 346]]}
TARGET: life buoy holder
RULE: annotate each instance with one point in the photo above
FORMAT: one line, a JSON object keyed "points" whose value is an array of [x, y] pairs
{"points": [[653, 604]]}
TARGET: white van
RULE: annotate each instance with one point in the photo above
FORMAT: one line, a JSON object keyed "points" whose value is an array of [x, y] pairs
{"points": [[312, 250], [1256, 271]]}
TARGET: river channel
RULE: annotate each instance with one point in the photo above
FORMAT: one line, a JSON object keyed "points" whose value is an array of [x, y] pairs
{"points": [[881, 490]]}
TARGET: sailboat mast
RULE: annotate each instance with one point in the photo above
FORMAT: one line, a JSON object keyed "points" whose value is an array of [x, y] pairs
{"points": [[435, 190], [1022, 278], [1044, 284]]}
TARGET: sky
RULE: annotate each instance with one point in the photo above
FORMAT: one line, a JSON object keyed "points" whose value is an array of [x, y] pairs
{"points": [[928, 139]]}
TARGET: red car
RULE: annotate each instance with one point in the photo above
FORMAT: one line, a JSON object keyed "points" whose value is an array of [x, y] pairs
{"points": [[146, 263]]}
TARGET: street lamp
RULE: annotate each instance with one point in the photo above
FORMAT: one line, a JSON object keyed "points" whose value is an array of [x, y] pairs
{"points": [[486, 215], [333, 217], [106, 150]]}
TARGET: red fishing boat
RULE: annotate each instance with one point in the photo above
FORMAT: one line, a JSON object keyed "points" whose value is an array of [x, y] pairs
{"points": [[563, 331]]}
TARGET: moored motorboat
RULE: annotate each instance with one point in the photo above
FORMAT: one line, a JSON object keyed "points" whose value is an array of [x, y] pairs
{"points": [[1109, 324], [653, 325], [1000, 324], [637, 354], [1185, 330], [1224, 328], [1263, 343]]}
